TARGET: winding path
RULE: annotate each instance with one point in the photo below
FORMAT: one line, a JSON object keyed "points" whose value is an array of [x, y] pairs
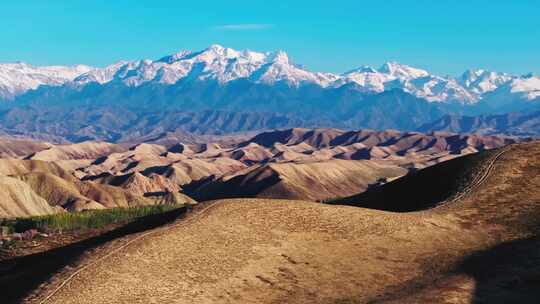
{"points": [[480, 178], [64, 282]]}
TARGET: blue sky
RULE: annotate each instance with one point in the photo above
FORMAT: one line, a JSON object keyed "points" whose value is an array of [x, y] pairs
{"points": [[445, 37]]}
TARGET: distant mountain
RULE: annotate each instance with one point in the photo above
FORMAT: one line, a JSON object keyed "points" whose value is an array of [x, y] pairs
{"points": [[479, 82], [349, 110], [516, 123], [221, 65], [123, 123], [18, 78], [69, 124], [221, 90]]}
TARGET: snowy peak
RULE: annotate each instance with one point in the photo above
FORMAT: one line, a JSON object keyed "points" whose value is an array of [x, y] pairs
{"points": [[279, 57], [222, 65], [17, 78], [218, 52], [175, 57], [420, 83], [527, 86], [101, 76], [482, 81], [365, 69], [439, 89], [402, 71], [368, 78], [213, 63], [215, 48]]}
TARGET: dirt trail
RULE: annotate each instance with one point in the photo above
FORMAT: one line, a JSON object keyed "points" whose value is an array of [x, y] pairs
{"points": [[479, 178], [130, 241]]}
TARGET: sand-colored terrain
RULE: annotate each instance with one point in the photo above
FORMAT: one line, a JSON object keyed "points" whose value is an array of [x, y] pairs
{"points": [[279, 164], [278, 251], [19, 199], [301, 180], [303, 164], [15, 148], [35, 187]]}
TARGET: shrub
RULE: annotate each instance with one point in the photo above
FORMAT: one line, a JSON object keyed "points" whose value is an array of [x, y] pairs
{"points": [[83, 220]]}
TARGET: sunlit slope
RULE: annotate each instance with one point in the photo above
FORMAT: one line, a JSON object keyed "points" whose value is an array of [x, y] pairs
{"points": [[34, 187], [310, 180]]}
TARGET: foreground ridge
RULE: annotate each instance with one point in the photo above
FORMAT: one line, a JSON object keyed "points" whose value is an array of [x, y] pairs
{"points": [[111, 252]]}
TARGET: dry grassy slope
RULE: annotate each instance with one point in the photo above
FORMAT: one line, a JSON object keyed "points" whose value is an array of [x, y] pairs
{"points": [[277, 251], [34, 187], [84, 150], [16, 148], [425, 188], [19, 167], [139, 184], [18, 199], [311, 180], [190, 165], [59, 192]]}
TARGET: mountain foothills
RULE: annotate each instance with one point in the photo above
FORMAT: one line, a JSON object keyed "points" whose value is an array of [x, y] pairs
{"points": [[220, 90], [475, 241], [524, 123], [41, 178]]}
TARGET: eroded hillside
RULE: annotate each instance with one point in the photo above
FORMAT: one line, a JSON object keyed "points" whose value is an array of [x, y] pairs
{"points": [[309, 164]]}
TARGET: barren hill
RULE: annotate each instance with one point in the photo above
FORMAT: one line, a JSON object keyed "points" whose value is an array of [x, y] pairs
{"points": [[288, 163], [37, 187], [479, 248], [445, 180], [18, 199], [310, 180], [16, 148], [312, 164]]}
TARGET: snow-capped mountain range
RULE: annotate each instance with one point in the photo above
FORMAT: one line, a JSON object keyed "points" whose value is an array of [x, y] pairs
{"points": [[17, 78], [223, 65]]}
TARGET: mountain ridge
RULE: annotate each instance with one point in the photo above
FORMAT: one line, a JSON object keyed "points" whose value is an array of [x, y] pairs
{"points": [[224, 64], [522, 123], [220, 91]]}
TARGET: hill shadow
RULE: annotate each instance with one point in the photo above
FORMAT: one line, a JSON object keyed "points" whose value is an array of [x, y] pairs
{"points": [[419, 190], [506, 273], [236, 187], [21, 275]]}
